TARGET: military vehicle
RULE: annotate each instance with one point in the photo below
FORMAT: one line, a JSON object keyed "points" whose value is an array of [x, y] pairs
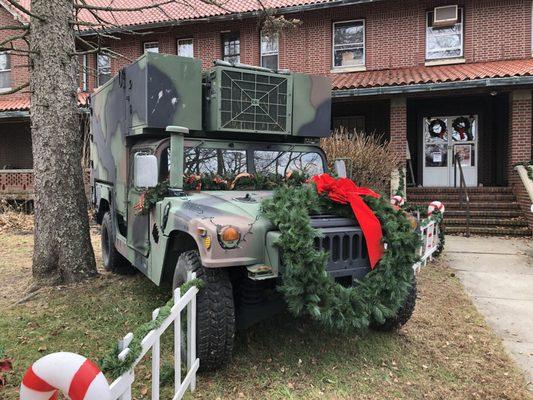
{"points": [[162, 118]]}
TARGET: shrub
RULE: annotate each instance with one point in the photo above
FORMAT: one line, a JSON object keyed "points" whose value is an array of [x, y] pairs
{"points": [[371, 158], [14, 218]]}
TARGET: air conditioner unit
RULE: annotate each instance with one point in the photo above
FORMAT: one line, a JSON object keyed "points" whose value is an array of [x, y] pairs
{"points": [[445, 16]]}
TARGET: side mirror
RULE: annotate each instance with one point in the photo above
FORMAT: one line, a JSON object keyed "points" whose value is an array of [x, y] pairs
{"points": [[145, 170], [340, 168]]}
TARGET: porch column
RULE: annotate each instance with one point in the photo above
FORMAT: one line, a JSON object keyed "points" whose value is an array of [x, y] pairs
{"points": [[398, 135], [398, 126], [520, 131], [520, 141]]}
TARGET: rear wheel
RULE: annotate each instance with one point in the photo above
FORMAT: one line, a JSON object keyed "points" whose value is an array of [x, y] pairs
{"points": [[112, 259], [215, 311], [404, 313]]}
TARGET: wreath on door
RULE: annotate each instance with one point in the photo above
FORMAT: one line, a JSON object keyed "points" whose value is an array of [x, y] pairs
{"points": [[437, 128], [462, 126]]}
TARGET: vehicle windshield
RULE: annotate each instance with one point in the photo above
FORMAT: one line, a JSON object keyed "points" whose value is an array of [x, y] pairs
{"points": [[226, 162]]}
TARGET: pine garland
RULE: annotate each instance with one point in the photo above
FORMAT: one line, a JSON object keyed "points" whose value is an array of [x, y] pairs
{"points": [[308, 288], [110, 364]]}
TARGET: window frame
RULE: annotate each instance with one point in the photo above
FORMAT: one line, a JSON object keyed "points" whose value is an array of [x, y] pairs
{"points": [[178, 45], [7, 71], [340, 67], [84, 75], [150, 43], [426, 26], [222, 41], [98, 73], [261, 54]]}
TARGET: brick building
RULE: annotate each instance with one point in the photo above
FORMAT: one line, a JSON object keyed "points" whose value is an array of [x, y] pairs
{"points": [[436, 77]]}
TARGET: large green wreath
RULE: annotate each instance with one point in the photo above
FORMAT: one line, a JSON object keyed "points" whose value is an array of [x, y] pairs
{"points": [[308, 288]]}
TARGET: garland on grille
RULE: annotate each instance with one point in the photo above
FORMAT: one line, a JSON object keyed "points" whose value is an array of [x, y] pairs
{"points": [[307, 287], [110, 364]]}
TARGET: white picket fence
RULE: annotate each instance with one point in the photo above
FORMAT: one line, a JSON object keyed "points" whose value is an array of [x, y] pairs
{"points": [[121, 387], [429, 233]]}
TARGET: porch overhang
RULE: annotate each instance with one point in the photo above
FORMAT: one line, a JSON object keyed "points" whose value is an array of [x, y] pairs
{"points": [[433, 79], [433, 87]]}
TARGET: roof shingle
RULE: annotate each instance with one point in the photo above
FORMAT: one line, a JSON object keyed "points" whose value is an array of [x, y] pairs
{"points": [[436, 74]]}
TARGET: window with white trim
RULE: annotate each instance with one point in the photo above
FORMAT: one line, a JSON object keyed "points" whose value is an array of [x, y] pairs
{"points": [[185, 48], [103, 68], [348, 43], [444, 42], [151, 47], [5, 70], [270, 51]]}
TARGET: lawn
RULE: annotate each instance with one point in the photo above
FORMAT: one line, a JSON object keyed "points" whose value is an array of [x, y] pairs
{"points": [[445, 351]]}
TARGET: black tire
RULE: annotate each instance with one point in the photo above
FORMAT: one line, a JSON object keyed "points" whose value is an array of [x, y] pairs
{"points": [[403, 315], [215, 311], [113, 261]]}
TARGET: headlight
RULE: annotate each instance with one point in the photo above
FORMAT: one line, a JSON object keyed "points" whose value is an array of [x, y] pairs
{"points": [[229, 237]]}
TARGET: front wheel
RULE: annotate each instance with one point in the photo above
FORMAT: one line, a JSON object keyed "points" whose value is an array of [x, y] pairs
{"points": [[215, 311], [113, 261], [404, 313]]}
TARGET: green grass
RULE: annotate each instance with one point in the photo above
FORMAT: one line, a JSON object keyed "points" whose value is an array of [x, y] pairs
{"points": [[445, 351]]}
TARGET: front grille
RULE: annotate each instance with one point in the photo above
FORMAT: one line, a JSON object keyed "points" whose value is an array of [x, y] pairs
{"points": [[347, 251]]}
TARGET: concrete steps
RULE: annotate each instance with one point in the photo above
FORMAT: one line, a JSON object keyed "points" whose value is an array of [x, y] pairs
{"points": [[493, 210]]}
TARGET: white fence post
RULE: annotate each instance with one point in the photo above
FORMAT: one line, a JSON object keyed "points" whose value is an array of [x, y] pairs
{"points": [[156, 351], [121, 387]]}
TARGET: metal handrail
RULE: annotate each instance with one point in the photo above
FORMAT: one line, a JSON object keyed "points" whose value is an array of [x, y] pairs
{"points": [[464, 190]]}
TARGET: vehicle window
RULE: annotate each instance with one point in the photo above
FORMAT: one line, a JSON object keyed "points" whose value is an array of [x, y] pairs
{"points": [[214, 161], [282, 162]]}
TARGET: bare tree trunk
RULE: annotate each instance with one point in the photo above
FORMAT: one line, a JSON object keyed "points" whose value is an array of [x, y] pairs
{"points": [[63, 251]]}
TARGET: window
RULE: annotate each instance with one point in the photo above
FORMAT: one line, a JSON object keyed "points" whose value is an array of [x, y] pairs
{"points": [[231, 47], [185, 48], [282, 162], [5, 70], [222, 162], [270, 51], [151, 47], [348, 44], [445, 42], [103, 62], [84, 84]]}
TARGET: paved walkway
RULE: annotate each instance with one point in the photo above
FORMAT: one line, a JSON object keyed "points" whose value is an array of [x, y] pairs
{"points": [[498, 274]]}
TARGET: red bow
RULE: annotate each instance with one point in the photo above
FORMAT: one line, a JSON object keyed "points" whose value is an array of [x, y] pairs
{"points": [[344, 191]]}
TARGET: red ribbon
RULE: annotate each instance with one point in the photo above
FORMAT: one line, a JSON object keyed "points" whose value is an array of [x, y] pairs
{"points": [[344, 191]]}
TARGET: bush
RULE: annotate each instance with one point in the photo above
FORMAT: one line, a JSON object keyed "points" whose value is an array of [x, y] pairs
{"points": [[371, 158]]}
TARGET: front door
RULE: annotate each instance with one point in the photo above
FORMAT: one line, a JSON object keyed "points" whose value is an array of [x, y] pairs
{"points": [[444, 138]]}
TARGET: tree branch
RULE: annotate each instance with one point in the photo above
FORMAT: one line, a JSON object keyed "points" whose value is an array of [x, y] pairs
{"points": [[16, 89], [15, 4], [121, 9]]}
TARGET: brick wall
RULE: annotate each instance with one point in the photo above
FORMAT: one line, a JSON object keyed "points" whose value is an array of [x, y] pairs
{"points": [[19, 69], [395, 35], [398, 126], [521, 109]]}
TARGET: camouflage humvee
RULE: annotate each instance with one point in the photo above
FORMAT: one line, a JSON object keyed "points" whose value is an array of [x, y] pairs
{"points": [[162, 118]]}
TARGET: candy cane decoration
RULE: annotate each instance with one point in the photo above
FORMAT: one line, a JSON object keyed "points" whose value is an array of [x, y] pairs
{"points": [[72, 374], [397, 201], [435, 206]]}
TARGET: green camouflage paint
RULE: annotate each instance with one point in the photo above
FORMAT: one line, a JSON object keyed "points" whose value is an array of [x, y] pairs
{"points": [[130, 114]]}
